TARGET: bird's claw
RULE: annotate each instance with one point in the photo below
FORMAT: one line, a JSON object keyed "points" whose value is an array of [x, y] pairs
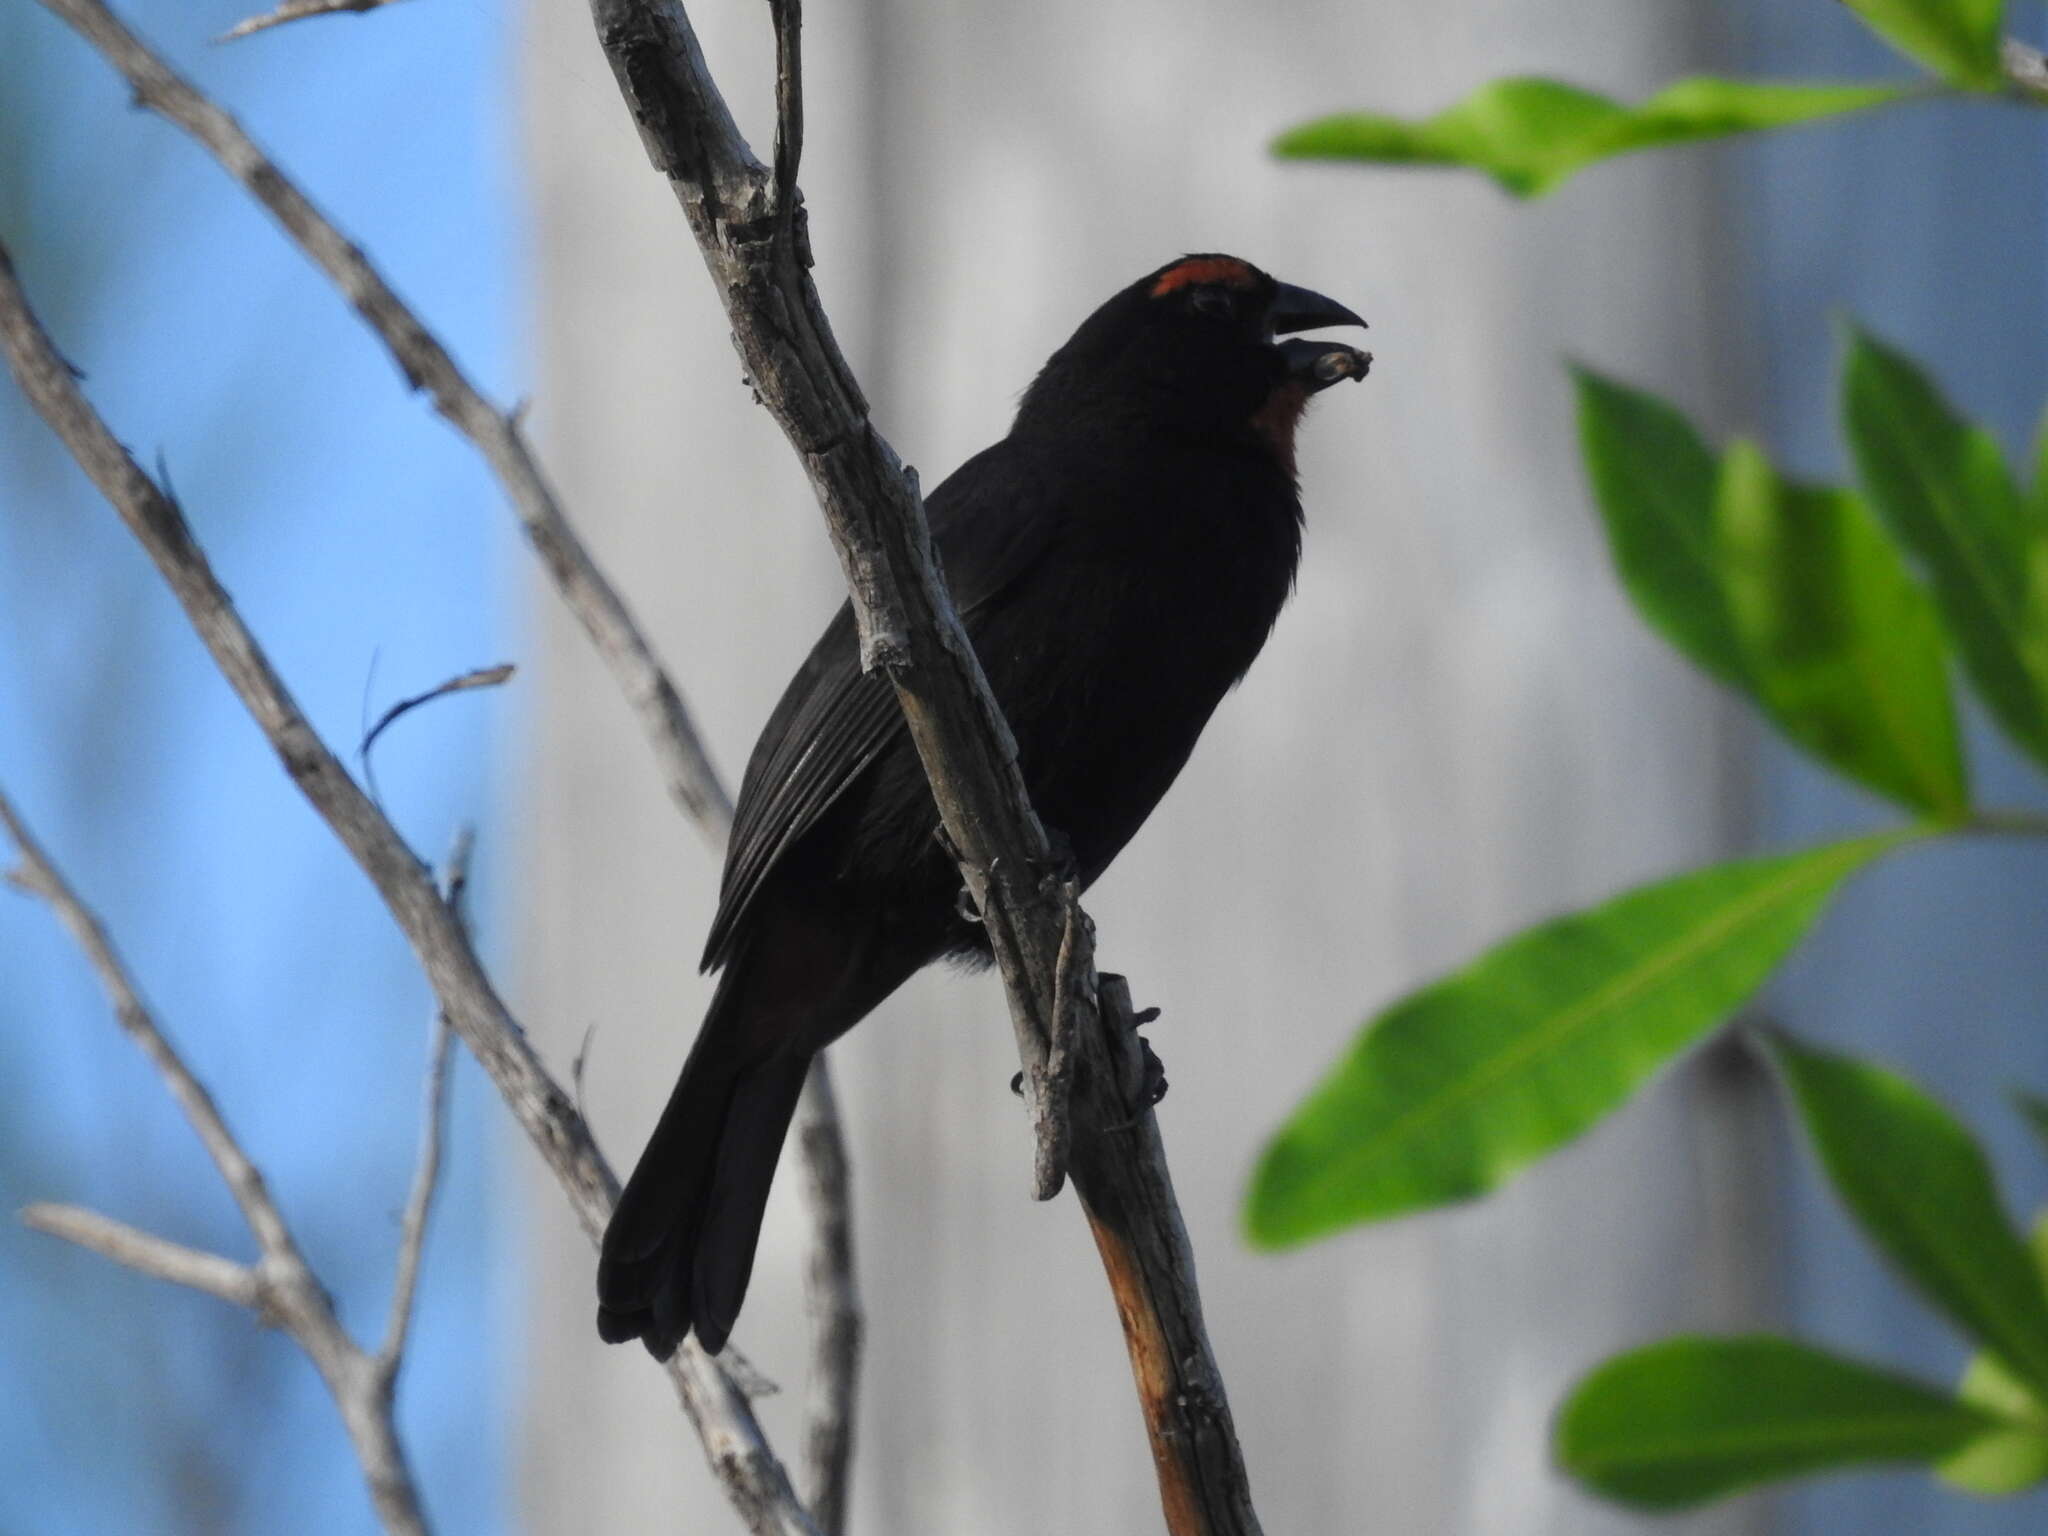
{"points": [[1061, 865], [1152, 1082]]}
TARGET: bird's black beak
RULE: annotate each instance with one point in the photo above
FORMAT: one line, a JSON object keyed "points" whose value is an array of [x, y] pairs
{"points": [[1318, 364], [1299, 309]]}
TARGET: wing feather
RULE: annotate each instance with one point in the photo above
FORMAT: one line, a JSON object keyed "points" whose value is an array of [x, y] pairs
{"points": [[991, 521]]}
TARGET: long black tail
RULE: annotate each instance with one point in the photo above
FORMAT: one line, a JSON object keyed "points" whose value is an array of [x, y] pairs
{"points": [[680, 1246]]}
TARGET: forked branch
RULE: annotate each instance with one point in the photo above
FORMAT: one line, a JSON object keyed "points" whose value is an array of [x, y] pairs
{"points": [[280, 1286]]}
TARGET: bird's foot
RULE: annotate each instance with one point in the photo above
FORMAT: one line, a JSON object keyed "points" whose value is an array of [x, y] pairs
{"points": [[1150, 1088], [1061, 867], [1152, 1085]]}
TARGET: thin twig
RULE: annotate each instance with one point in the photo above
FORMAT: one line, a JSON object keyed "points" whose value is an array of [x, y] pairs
{"points": [[419, 1201], [296, 10], [1052, 1087], [832, 1299], [478, 677], [831, 1293], [759, 263], [427, 365], [581, 1060], [754, 1480], [752, 1381], [146, 1253], [788, 16], [38, 876], [281, 1286]]}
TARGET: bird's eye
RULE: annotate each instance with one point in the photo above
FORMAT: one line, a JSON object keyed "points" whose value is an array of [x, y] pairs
{"points": [[1212, 301]]}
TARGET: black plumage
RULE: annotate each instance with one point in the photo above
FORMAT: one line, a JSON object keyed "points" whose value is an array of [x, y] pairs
{"points": [[1118, 560]]}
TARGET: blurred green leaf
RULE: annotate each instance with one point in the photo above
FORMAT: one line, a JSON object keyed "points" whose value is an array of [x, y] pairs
{"points": [[1923, 1192], [2034, 1109], [1654, 481], [2038, 501], [1790, 593], [1844, 646], [1530, 133], [1460, 1085], [2014, 1454], [1943, 488], [1957, 39], [1690, 1419]]}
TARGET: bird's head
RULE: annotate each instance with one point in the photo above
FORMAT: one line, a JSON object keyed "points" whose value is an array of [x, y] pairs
{"points": [[1207, 345]]}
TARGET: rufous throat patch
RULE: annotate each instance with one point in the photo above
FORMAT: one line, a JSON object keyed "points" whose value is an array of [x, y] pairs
{"points": [[1275, 421]]}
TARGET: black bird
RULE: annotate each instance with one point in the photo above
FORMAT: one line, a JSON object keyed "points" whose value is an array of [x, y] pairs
{"points": [[1118, 560]]}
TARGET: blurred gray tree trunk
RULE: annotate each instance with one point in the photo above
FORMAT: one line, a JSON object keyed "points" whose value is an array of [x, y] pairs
{"points": [[1458, 727]]}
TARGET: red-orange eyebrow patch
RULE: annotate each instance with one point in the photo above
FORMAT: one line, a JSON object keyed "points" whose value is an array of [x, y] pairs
{"points": [[1227, 270]]}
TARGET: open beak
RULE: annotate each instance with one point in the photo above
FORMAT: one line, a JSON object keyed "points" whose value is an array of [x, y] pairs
{"points": [[1317, 364], [1299, 309]]}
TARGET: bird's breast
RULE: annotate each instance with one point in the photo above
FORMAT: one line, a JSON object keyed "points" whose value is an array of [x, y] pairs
{"points": [[1111, 664]]}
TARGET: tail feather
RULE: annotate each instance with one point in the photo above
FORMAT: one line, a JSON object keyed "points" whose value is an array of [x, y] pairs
{"points": [[756, 1123], [680, 1246], [644, 1266]]}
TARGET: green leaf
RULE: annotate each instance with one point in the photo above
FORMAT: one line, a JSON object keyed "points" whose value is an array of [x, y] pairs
{"points": [[1520, 131], [1957, 39], [1654, 481], [1844, 649], [1790, 593], [1943, 488], [2010, 1456], [1460, 1085], [1530, 133], [1923, 1192], [1690, 1419]]}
